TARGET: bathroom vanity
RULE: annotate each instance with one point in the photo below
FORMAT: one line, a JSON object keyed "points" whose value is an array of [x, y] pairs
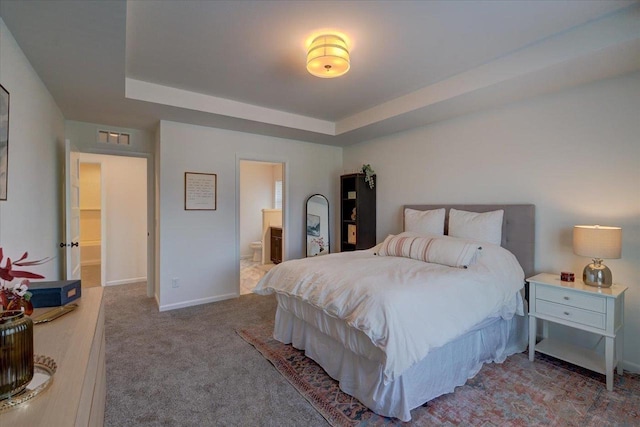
{"points": [[276, 244]]}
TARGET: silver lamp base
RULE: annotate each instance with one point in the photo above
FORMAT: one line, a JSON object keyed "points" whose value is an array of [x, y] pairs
{"points": [[597, 274]]}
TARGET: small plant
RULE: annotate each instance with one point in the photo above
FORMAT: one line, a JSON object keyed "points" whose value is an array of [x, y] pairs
{"points": [[369, 175], [320, 242], [17, 297]]}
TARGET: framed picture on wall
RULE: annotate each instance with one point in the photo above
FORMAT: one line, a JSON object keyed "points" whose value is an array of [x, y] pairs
{"points": [[4, 141], [200, 191]]}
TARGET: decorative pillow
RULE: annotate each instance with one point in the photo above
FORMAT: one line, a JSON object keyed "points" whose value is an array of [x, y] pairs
{"points": [[424, 222], [485, 227], [437, 250], [399, 245], [377, 247]]}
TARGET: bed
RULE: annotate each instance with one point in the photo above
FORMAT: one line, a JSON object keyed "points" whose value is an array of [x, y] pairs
{"points": [[412, 318]]}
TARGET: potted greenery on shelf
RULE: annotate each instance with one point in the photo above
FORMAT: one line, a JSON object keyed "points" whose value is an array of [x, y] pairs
{"points": [[369, 174]]}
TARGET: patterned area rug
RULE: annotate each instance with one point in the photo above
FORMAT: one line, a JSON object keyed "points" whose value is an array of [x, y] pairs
{"points": [[515, 393]]}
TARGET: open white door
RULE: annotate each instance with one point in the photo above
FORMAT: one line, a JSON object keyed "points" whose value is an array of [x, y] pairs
{"points": [[72, 212]]}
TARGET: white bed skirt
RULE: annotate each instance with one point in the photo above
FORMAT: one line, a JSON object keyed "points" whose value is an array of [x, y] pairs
{"points": [[361, 376]]}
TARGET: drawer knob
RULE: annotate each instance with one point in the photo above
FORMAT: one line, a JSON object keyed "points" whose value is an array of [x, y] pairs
{"points": [[566, 313], [566, 298]]}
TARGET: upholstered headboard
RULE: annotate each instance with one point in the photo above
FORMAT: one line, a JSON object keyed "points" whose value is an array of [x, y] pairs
{"points": [[518, 228]]}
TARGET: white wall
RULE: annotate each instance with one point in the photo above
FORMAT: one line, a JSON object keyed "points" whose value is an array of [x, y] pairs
{"points": [[256, 193], [200, 248], [574, 154], [30, 218], [125, 208]]}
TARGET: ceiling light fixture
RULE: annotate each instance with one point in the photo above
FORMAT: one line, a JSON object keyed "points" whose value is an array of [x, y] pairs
{"points": [[328, 56]]}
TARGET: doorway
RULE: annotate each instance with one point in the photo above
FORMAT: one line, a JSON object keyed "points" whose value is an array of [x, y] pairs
{"points": [[91, 225], [261, 225], [113, 208]]}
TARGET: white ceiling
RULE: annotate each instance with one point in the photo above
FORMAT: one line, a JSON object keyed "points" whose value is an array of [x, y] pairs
{"points": [[241, 64]]}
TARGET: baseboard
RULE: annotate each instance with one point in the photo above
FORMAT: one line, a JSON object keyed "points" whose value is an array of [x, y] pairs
{"points": [[126, 281], [631, 367], [199, 301]]}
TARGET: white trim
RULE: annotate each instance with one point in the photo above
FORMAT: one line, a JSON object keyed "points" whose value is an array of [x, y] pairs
{"points": [[631, 367], [103, 225], [151, 206], [126, 281], [198, 301], [166, 95]]}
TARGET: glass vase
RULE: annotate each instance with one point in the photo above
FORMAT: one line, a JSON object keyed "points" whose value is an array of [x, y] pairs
{"points": [[16, 352]]}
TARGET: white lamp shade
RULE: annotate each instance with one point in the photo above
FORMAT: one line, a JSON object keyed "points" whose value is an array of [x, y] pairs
{"points": [[328, 56], [596, 241]]}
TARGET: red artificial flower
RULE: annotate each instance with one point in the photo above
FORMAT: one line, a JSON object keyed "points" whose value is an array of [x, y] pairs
{"points": [[8, 273]]}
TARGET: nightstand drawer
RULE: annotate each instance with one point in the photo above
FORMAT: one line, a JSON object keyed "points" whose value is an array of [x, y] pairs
{"points": [[572, 298], [571, 314]]}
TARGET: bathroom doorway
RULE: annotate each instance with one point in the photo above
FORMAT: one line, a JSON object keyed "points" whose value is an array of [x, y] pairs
{"points": [[260, 220]]}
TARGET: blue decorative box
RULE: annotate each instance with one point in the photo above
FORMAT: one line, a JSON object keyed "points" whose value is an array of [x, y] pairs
{"points": [[54, 294]]}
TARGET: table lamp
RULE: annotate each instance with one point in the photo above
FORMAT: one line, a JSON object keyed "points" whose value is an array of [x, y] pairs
{"points": [[597, 242]]}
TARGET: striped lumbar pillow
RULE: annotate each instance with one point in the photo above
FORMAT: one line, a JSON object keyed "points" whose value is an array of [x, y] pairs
{"points": [[438, 250]]}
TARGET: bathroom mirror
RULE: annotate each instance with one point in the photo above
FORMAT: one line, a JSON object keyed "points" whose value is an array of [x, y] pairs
{"points": [[317, 225]]}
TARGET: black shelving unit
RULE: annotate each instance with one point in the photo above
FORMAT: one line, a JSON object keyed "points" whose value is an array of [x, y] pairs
{"points": [[358, 233]]}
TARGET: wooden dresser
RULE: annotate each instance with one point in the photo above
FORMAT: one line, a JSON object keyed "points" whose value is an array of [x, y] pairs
{"points": [[77, 395]]}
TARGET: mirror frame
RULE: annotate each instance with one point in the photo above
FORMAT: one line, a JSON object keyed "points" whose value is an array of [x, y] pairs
{"points": [[328, 234]]}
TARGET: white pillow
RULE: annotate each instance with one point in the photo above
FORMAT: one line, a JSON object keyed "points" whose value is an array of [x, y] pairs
{"points": [[484, 227], [442, 250], [424, 222]]}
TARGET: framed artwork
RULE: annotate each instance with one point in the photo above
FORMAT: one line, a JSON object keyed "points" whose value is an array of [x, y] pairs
{"points": [[351, 234], [4, 141], [313, 225], [200, 191]]}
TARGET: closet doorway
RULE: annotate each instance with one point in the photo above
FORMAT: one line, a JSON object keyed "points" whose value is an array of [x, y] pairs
{"points": [[261, 225], [113, 219], [91, 225]]}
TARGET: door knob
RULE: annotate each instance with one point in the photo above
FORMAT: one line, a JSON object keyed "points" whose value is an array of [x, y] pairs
{"points": [[72, 244]]}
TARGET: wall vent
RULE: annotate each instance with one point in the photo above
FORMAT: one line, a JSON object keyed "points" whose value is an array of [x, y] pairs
{"points": [[112, 137]]}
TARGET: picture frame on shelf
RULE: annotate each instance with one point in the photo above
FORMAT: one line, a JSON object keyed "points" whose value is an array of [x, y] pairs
{"points": [[351, 234]]}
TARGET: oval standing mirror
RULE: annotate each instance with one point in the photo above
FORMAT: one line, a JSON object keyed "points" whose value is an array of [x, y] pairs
{"points": [[317, 225]]}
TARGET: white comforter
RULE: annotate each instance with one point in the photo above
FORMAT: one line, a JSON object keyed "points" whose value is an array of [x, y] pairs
{"points": [[406, 307]]}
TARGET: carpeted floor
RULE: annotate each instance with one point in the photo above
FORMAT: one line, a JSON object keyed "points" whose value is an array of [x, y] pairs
{"points": [[547, 392], [188, 367]]}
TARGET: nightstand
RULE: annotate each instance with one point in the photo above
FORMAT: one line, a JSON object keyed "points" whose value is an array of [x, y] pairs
{"points": [[574, 304]]}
